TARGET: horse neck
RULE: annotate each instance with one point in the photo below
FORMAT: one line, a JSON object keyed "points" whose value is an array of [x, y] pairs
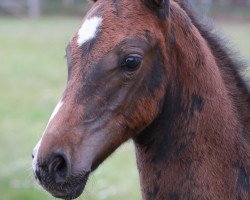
{"points": [[230, 68], [194, 149]]}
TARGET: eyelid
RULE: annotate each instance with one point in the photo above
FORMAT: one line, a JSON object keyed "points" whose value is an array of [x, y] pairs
{"points": [[133, 52], [134, 55]]}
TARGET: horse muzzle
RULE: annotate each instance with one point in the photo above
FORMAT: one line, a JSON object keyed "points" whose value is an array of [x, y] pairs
{"points": [[55, 175]]}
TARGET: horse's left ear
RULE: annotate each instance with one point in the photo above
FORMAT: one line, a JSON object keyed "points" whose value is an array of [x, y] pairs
{"points": [[159, 7]]}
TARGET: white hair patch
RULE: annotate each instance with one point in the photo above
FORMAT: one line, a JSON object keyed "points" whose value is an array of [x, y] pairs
{"points": [[57, 108], [89, 29], [36, 149], [34, 155]]}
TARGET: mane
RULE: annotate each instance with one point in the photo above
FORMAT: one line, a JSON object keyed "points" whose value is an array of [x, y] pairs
{"points": [[230, 66]]}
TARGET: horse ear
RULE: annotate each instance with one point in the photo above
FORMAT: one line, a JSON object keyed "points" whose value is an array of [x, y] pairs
{"points": [[159, 7], [159, 2]]}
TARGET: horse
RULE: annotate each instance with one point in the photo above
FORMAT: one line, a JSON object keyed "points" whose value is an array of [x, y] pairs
{"points": [[152, 72]]}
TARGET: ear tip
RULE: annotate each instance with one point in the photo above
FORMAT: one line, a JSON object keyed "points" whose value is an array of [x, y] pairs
{"points": [[92, 1], [159, 2], [159, 7]]}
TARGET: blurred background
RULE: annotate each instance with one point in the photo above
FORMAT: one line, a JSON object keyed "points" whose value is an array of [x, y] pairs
{"points": [[33, 71]]}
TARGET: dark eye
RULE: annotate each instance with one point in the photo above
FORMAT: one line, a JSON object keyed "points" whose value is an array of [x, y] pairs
{"points": [[131, 63]]}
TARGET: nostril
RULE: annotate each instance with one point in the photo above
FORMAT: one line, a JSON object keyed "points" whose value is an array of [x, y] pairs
{"points": [[58, 168]]}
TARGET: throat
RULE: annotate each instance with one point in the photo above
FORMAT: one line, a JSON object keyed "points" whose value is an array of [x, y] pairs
{"points": [[183, 155], [168, 155]]}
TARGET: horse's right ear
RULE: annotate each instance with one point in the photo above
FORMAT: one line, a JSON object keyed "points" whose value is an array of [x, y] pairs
{"points": [[159, 7]]}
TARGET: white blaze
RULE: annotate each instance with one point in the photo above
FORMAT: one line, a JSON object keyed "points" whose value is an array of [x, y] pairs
{"points": [[36, 149], [88, 30], [57, 108], [34, 154]]}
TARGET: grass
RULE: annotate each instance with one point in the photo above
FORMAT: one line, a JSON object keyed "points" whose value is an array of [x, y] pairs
{"points": [[32, 78], [236, 34], [230, 12]]}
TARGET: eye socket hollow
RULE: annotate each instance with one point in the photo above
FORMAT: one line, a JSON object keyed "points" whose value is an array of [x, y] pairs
{"points": [[131, 63]]}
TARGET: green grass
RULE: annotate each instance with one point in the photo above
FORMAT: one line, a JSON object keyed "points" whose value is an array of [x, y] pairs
{"points": [[32, 78], [230, 12], [237, 35]]}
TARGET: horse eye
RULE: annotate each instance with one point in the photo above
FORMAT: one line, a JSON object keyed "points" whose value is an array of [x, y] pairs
{"points": [[131, 63]]}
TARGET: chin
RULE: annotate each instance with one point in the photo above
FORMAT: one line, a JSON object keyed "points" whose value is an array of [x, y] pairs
{"points": [[71, 193], [71, 189]]}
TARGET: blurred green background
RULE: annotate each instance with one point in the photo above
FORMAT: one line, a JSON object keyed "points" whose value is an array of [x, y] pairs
{"points": [[33, 76]]}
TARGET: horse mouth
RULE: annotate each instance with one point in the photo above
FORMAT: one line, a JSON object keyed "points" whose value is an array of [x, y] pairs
{"points": [[70, 193], [71, 189]]}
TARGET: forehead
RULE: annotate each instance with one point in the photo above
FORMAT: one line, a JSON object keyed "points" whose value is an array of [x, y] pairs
{"points": [[111, 21]]}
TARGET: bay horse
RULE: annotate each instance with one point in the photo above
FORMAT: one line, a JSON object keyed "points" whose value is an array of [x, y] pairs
{"points": [[149, 71]]}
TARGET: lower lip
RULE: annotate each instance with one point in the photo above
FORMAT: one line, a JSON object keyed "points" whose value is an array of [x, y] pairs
{"points": [[76, 192]]}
